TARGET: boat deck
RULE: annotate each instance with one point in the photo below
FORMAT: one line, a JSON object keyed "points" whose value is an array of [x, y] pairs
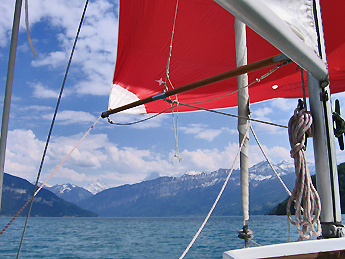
{"points": [[322, 248]]}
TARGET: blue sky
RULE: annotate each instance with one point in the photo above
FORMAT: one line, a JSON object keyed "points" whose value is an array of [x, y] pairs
{"points": [[112, 154]]}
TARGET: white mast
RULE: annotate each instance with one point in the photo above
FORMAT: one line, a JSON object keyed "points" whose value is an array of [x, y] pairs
{"points": [[243, 111], [8, 91]]}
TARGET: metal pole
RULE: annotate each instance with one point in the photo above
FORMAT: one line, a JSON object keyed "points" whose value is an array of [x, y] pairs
{"points": [[243, 111], [8, 90], [325, 158], [324, 147]]}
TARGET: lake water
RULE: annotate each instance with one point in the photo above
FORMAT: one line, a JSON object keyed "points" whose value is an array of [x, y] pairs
{"points": [[135, 237]]}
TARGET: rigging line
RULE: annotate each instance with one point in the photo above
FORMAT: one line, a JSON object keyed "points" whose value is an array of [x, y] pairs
{"points": [[303, 89], [53, 121], [170, 50], [217, 199], [175, 127], [269, 162], [257, 80], [236, 116], [43, 184], [135, 122], [27, 27]]}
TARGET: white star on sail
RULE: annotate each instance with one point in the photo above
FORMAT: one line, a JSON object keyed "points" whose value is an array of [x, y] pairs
{"points": [[160, 81]]}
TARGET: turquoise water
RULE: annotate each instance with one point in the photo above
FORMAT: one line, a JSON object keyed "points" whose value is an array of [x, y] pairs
{"points": [[135, 237]]}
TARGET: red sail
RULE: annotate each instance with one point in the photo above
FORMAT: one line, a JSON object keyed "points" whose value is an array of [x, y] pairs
{"points": [[203, 46]]}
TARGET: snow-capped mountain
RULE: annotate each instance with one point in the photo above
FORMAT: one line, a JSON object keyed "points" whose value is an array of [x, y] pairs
{"points": [[70, 192], [16, 192], [96, 187], [194, 193]]}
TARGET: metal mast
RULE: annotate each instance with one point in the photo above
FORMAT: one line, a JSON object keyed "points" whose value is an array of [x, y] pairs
{"points": [[8, 91]]}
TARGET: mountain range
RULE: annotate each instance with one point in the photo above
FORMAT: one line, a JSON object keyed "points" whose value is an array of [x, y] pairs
{"points": [[191, 194], [17, 191]]}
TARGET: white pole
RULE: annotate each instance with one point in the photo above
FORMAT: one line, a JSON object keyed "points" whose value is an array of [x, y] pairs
{"points": [[324, 149], [243, 111], [8, 90]]}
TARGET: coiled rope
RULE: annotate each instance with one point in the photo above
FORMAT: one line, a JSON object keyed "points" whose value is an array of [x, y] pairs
{"points": [[307, 201]]}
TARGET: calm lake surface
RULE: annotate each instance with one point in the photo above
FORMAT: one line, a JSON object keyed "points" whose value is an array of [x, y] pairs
{"points": [[136, 237]]}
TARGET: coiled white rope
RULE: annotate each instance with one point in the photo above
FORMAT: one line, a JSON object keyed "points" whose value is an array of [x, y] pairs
{"points": [[305, 196]]}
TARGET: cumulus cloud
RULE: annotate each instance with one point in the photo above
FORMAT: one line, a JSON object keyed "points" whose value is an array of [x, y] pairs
{"points": [[202, 131], [71, 174], [41, 91], [23, 153], [71, 117], [213, 159], [96, 46], [284, 104], [96, 152], [6, 18]]}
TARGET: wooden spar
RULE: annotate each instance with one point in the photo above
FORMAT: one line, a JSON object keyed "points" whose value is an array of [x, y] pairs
{"points": [[232, 73]]}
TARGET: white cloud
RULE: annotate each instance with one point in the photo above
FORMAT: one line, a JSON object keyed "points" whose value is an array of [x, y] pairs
{"points": [[71, 174], [23, 153], [284, 104], [41, 91], [201, 131], [96, 47], [97, 157], [210, 134], [6, 19], [53, 59], [213, 159], [70, 117], [262, 113]]}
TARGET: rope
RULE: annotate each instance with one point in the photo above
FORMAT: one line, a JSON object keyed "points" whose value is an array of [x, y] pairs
{"points": [[236, 116], [36, 192], [217, 199], [170, 50], [175, 126], [27, 27], [303, 89], [135, 122], [304, 194], [52, 123], [269, 162]]}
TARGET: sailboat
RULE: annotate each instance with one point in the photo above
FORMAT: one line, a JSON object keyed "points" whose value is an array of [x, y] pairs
{"points": [[172, 56]]}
